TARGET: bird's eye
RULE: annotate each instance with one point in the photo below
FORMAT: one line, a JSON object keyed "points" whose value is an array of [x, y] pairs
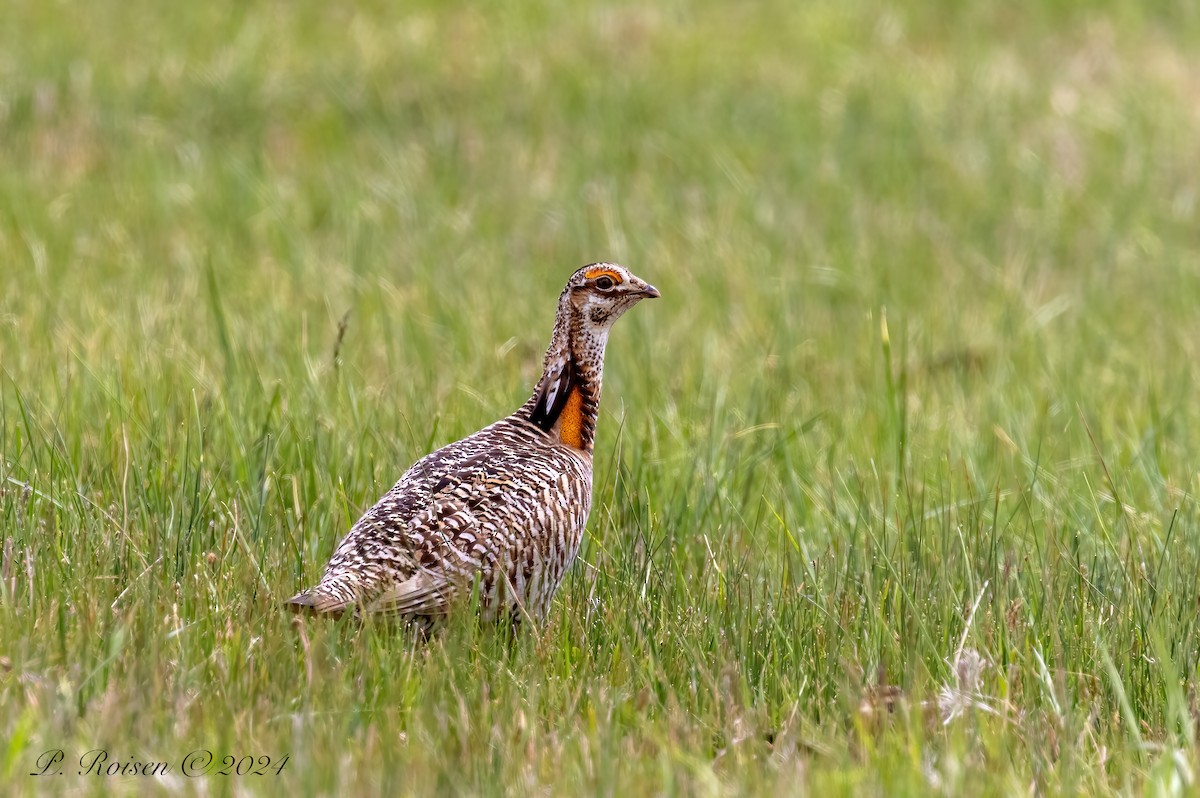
{"points": [[604, 283]]}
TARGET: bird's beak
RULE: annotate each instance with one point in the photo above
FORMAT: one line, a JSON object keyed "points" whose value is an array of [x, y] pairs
{"points": [[649, 292]]}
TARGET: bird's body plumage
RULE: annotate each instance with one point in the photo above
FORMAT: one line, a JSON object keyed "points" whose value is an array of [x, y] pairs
{"points": [[502, 511], [486, 506]]}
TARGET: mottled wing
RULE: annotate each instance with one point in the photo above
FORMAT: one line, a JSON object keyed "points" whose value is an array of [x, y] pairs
{"points": [[444, 539]]}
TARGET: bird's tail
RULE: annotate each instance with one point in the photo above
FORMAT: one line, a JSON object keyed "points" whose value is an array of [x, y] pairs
{"points": [[316, 601]]}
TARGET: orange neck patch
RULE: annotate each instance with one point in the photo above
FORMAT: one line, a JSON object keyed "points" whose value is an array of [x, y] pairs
{"points": [[570, 421]]}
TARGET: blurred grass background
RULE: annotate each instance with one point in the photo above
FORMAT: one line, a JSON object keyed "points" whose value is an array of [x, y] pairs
{"points": [[921, 382]]}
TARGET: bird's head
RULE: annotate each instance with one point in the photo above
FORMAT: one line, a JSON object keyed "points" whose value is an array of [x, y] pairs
{"points": [[599, 293]]}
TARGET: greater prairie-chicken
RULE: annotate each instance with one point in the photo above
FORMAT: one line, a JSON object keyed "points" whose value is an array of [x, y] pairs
{"points": [[501, 511]]}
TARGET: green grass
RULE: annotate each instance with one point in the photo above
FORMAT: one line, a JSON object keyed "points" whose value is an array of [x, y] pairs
{"points": [[922, 381]]}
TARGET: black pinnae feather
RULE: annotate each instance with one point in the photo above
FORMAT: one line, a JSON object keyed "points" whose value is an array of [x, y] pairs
{"points": [[552, 397]]}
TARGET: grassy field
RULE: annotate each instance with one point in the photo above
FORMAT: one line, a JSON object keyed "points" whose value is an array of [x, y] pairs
{"points": [[896, 487]]}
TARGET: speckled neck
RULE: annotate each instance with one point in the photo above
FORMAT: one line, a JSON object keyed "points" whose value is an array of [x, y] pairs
{"points": [[566, 401]]}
